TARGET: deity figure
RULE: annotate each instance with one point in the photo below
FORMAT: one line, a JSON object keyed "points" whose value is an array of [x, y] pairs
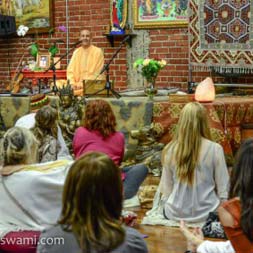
{"points": [[149, 7], [181, 7], [118, 16], [70, 113]]}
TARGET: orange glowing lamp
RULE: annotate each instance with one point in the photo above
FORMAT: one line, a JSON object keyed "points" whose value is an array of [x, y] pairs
{"points": [[205, 91]]}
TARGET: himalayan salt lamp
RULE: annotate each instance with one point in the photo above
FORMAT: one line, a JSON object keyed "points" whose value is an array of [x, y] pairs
{"points": [[205, 91]]}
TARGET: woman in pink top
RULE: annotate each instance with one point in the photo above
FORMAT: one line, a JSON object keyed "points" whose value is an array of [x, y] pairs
{"points": [[98, 134]]}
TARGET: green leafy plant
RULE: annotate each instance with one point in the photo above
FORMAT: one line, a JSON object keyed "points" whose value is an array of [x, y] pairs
{"points": [[149, 68], [53, 49]]}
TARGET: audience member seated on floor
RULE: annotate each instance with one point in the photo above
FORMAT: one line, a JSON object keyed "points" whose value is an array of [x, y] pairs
{"points": [[98, 134], [236, 214], [30, 193], [46, 131], [91, 211], [43, 125], [194, 178]]}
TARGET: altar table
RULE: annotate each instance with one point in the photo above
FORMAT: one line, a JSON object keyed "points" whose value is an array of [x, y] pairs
{"points": [[226, 116], [35, 75]]}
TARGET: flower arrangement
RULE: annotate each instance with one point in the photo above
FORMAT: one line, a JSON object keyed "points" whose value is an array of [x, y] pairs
{"points": [[34, 48], [149, 68]]}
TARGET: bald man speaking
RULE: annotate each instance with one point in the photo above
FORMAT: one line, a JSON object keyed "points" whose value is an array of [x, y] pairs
{"points": [[86, 63]]}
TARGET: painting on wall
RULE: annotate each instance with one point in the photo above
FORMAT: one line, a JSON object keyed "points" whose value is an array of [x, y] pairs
{"points": [[36, 14], [160, 13], [118, 10]]}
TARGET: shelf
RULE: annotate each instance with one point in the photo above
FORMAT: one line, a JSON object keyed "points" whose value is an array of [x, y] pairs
{"points": [[119, 37]]}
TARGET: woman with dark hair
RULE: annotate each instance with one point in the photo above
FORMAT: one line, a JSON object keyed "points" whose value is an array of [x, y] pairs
{"points": [[91, 211], [98, 133], [236, 214]]}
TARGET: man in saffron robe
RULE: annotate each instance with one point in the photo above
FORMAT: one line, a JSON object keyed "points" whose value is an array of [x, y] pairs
{"points": [[86, 63]]}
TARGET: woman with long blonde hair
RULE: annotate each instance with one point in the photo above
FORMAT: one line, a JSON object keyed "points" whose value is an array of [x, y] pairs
{"points": [[195, 177]]}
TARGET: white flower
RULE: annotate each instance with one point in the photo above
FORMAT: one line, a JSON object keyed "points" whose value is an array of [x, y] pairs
{"points": [[146, 62], [162, 63], [22, 30]]}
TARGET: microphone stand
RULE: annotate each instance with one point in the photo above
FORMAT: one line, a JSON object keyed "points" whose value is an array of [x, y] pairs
{"points": [[53, 68], [108, 86]]}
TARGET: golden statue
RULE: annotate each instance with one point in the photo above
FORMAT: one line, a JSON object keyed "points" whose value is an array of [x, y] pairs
{"points": [[70, 113]]}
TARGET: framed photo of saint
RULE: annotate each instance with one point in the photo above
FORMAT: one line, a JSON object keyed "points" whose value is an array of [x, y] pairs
{"points": [[118, 10]]}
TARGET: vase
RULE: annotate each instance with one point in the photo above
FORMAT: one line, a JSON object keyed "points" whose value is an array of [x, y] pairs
{"points": [[150, 89]]}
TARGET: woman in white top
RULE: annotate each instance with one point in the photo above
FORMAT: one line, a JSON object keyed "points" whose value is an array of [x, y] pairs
{"points": [[195, 177], [30, 192]]}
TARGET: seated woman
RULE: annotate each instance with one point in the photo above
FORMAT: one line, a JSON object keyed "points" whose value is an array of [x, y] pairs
{"points": [[91, 210], [51, 147], [194, 178], [98, 134], [30, 193], [44, 124], [236, 214]]}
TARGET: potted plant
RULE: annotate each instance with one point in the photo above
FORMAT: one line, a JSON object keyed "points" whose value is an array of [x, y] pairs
{"points": [[149, 69]]}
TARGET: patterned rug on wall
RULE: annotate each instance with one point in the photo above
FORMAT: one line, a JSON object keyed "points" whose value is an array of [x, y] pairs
{"points": [[221, 35]]}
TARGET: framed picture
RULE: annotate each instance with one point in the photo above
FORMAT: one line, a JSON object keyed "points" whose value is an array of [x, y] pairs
{"points": [[160, 13], [43, 61], [118, 10], [36, 14]]}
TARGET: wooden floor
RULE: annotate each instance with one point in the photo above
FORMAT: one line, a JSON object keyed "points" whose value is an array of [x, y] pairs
{"points": [[160, 239]]}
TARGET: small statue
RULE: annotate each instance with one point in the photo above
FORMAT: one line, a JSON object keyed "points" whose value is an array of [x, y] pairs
{"points": [[70, 113], [148, 150]]}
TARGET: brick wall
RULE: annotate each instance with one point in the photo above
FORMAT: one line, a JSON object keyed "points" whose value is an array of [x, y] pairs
{"points": [[169, 44]]}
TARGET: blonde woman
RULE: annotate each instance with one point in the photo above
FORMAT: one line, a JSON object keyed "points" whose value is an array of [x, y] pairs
{"points": [[195, 178], [30, 193]]}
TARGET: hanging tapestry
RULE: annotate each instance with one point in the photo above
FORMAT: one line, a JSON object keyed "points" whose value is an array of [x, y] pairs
{"points": [[221, 35]]}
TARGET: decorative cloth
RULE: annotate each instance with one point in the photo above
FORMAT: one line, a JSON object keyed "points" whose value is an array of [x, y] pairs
{"points": [[12, 108], [225, 115], [221, 36]]}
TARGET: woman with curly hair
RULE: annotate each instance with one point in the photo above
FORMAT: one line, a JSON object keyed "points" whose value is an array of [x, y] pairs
{"points": [[98, 133], [45, 130], [44, 125]]}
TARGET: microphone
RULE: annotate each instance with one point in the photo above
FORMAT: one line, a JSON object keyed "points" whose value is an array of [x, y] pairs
{"points": [[106, 66], [77, 43]]}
